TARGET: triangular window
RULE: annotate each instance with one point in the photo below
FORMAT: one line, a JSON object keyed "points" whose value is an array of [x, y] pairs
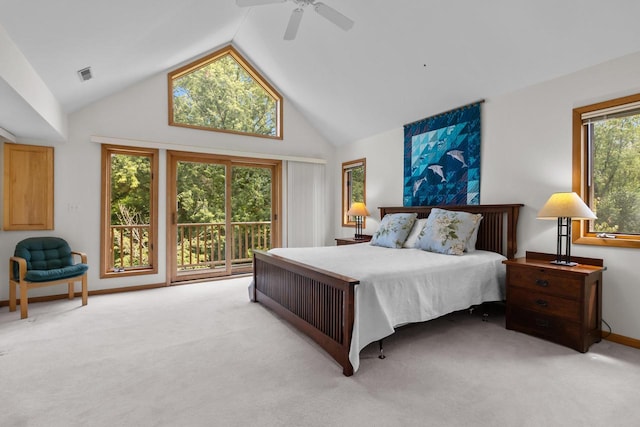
{"points": [[222, 92]]}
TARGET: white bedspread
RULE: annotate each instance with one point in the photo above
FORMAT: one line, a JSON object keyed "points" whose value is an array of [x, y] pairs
{"points": [[399, 286]]}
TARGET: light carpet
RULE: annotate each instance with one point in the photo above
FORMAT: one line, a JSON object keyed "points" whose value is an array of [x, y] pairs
{"points": [[203, 355]]}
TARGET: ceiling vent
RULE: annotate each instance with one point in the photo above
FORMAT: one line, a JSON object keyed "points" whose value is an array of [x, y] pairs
{"points": [[85, 74]]}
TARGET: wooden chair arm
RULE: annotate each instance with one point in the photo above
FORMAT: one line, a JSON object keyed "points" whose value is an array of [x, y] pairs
{"points": [[82, 255], [22, 267]]}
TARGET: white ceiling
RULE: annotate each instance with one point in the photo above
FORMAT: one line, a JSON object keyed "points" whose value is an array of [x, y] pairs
{"points": [[402, 61]]}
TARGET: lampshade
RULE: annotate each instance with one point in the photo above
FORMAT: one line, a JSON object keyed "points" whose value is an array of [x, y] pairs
{"points": [[358, 209], [565, 205]]}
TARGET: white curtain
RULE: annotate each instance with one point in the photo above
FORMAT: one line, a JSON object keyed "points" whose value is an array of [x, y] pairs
{"points": [[306, 205]]}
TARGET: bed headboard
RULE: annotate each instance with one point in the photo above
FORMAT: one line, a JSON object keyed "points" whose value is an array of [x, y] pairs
{"points": [[497, 232]]}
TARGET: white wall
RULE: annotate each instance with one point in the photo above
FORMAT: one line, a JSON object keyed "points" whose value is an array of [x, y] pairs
{"points": [[384, 154], [140, 113], [526, 156], [25, 94]]}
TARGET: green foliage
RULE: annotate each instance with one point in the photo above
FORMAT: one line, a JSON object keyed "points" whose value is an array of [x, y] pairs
{"points": [[130, 189], [201, 199], [355, 180], [130, 206], [357, 184], [222, 95], [616, 174], [201, 193], [250, 194]]}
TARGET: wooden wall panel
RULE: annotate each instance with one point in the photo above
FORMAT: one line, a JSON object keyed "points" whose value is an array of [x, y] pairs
{"points": [[28, 187]]}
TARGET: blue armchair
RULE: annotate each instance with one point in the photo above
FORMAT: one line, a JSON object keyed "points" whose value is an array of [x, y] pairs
{"points": [[44, 261]]}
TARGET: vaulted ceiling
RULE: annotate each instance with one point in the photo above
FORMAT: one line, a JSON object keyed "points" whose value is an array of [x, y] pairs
{"points": [[402, 60]]}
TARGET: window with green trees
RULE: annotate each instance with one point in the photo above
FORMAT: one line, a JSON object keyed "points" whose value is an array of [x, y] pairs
{"points": [[223, 92], [219, 210], [607, 162], [353, 187], [129, 204], [202, 202]]}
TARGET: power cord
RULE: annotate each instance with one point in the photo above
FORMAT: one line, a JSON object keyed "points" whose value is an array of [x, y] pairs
{"points": [[608, 326]]}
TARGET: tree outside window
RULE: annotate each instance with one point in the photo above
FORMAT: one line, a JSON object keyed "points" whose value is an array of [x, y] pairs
{"points": [[129, 224], [353, 187], [222, 92], [607, 160]]}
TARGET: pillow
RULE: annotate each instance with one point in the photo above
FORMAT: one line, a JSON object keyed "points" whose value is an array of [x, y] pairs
{"points": [[447, 232], [415, 232], [471, 244], [394, 229]]}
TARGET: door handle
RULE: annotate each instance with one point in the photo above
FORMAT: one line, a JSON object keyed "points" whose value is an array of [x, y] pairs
{"points": [[542, 282], [542, 323]]}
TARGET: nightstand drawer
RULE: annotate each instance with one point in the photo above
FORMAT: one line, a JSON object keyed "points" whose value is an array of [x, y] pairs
{"points": [[540, 280], [544, 303], [556, 302], [552, 328]]}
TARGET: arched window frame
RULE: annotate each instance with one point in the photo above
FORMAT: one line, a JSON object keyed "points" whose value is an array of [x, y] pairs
{"points": [[257, 77]]}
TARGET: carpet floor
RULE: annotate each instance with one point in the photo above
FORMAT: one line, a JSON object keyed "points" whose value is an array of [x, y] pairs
{"points": [[203, 355]]}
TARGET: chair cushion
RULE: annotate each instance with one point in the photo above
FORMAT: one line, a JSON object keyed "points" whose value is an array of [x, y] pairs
{"points": [[56, 273], [44, 253], [47, 258]]}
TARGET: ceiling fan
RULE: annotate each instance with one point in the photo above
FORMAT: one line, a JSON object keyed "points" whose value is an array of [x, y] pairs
{"points": [[296, 16]]}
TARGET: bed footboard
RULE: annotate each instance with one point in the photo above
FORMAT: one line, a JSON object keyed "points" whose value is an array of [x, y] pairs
{"points": [[317, 302]]}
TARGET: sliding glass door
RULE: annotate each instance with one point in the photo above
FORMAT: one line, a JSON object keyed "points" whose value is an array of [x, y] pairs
{"points": [[220, 210]]}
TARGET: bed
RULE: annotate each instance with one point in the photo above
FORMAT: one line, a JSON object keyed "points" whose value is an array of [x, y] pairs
{"points": [[333, 295]]}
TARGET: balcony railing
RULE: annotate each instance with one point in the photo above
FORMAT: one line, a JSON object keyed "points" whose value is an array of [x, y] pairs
{"points": [[198, 245], [129, 246]]}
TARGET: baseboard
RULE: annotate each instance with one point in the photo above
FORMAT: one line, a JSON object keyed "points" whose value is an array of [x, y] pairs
{"points": [[4, 303], [621, 339]]}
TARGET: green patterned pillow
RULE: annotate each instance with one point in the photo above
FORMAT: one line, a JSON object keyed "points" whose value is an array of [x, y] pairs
{"points": [[447, 232], [393, 230]]}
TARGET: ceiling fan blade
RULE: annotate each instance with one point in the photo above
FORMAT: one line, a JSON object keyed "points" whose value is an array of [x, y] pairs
{"points": [[248, 3], [294, 23], [334, 16]]}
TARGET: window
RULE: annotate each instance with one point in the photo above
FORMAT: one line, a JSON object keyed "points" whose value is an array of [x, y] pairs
{"points": [[353, 188], [222, 92], [129, 217], [606, 171]]}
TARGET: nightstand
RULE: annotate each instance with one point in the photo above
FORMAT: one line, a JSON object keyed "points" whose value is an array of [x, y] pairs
{"points": [[558, 303], [352, 240]]}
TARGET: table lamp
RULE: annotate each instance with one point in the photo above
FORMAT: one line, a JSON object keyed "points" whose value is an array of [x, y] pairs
{"points": [[359, 211], [565, 207]]}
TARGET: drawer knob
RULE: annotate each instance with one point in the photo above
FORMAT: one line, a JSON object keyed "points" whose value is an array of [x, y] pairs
{"points": [[542, 322], [542, 282], [542, 303]]}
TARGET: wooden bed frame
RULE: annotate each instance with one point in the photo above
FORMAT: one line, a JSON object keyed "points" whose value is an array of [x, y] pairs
{"points": [[321, 303]]}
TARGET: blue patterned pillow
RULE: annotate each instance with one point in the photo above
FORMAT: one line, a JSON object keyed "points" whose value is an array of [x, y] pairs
{"points": [[394, 229], [471, 244], [447, 232]]}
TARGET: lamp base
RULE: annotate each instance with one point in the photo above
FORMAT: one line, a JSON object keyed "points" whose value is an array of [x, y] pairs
{"points": [[565, 263]]}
